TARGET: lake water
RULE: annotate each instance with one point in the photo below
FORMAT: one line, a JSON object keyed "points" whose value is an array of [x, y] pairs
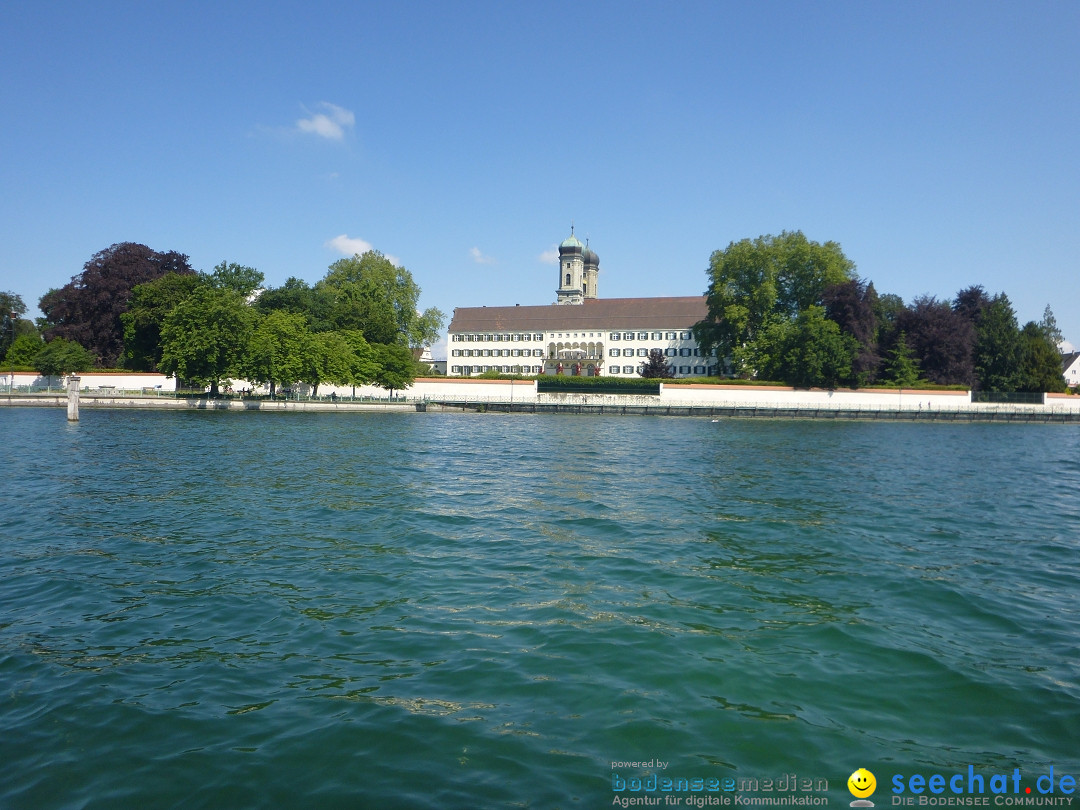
{"points": [[219, 610]]}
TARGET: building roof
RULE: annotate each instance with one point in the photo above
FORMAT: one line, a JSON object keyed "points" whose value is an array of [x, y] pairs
{"points": [[1067, 360], [595, 313]]}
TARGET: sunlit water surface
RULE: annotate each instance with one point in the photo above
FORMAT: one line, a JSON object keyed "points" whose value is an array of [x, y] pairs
{"points": [[438, 611]]}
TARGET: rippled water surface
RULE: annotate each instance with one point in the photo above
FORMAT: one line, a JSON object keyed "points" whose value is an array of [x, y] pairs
{"points": [[436, 611]]}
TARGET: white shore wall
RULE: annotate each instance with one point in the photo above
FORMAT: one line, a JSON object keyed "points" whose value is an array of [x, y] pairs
{"points": [[479, 390], [91, 381]]}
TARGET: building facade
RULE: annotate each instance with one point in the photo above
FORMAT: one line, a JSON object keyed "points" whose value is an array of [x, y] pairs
{"points": [[580, 334], [1071, 369]]}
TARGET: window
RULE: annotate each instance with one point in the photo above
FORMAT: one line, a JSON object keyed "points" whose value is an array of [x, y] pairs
{"points": [[670, 352], [455, 337], [628, 336], [657, 335], [699, 369], [642, 352], [684, 369], [642, 335], [538, 336], [684, 352], [613, 352], [455, 369], [456, 353], [672, 335], [627, 369], [686, 336], [697, 352], [567, 284], [614, 336]]}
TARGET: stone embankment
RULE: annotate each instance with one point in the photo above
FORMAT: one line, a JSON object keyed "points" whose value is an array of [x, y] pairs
{"points": [[516, 396]]}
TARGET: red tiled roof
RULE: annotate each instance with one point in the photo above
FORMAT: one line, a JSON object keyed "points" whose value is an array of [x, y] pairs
{"points": [[595, 313]]}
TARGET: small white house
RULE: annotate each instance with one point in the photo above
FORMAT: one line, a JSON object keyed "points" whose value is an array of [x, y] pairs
{"points": [[1070, 364]]}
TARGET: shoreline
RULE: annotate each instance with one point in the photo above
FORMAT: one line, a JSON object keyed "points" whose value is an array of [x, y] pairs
{"points": [[968, 413]]}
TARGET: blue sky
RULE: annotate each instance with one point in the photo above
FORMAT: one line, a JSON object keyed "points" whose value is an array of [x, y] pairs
{"points": [[936, 141]]}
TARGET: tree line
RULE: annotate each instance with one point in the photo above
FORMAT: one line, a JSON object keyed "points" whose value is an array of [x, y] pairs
{"points": [[140, 310], [788, 309], [780, 308]]}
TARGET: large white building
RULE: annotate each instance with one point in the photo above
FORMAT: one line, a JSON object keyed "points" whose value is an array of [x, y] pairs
{"points": [[580, 333]]}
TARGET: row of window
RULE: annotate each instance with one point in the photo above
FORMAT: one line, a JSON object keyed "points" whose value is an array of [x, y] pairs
{"points": [[683, 352], [466, 370], [496, 338], [528, 336], [651, 335], [699, 370], [501, 369], [496, 352]]}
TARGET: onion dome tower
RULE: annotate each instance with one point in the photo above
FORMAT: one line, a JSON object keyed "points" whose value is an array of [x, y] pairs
{"points": [[592, 269], [571, 271]]}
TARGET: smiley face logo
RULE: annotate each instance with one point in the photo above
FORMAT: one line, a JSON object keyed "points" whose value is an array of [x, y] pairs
{"points": [[861, 783]]}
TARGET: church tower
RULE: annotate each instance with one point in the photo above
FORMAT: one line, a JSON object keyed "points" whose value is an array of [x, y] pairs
{"points": [[578, 269], [592, 269]]}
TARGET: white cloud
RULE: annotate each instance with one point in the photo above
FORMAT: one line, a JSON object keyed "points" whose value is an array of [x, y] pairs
{"points": [[331, 123], [550, 256], [348, 246], [480, 258]]}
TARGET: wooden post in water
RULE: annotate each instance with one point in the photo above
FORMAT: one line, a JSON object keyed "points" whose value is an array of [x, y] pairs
{"points": [[73, 398]]}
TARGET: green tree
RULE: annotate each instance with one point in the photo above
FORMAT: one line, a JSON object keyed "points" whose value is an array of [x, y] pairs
{"points": [[205, 338], [1040, 362], [997, 346], [61, 357], [339, 358], [901, 367], [656, 366], [236, 277], [396, 367], [369, 293], [23, 351], [12, 309], [363, 364], [1049, 327], [297, 297], [151, 302], [279, 350], [814, 352], [755, 284]]}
